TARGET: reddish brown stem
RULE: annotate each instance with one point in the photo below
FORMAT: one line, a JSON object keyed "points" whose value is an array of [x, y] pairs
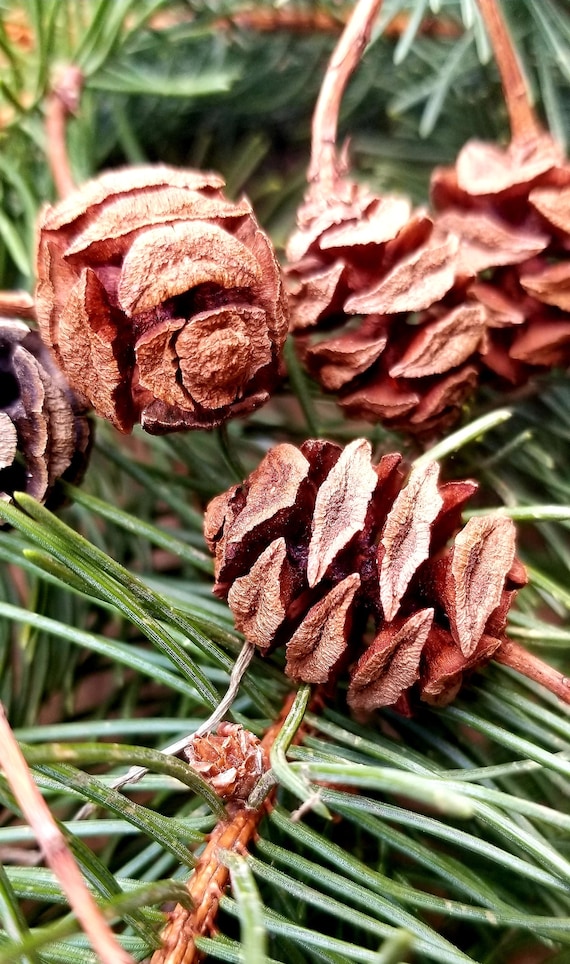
{"points": [[524, 124], [62, 101], [284, 18], [324, 167], [518, 658], [210, 877], [300, 21], [205, 887], [16, 304]]}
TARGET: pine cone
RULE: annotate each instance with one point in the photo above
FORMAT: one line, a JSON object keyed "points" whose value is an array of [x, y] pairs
{"points": [[379, 311], [162, 299], [349, 566], [511, 210], [402, 313], [231, 760], [44, 432]]}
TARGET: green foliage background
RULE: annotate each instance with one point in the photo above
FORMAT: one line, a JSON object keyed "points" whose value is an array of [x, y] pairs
{"points": [[447, 837]]}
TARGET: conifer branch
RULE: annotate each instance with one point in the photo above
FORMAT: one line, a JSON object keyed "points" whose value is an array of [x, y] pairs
{"points": [[210, 877]]}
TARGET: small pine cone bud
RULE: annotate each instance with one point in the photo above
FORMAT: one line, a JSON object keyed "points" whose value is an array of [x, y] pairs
{"points": [[319, 545], [45, 434], [162, 299], [231, 760], [510, 208], [379, 315]]}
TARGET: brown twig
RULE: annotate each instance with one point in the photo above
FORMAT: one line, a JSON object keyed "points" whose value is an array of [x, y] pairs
{"points": [[56, 851], [284, 18], [61, 102], [17, 304], [518, 658], [324, 169], [210, 877], [523, 120], [296, 20]]}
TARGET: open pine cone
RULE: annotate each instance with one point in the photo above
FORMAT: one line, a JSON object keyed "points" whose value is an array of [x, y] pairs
{"points": [[381, 316], [45, 434], [349, 565], [511, 210], [401, 312], [161, 299]]}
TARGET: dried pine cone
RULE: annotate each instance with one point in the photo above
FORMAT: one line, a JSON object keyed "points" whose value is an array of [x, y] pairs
{"points": [[379, 312], [231, 760], [403, 313], [162, 299], [348, 565], [44, 432], [511, 210]]}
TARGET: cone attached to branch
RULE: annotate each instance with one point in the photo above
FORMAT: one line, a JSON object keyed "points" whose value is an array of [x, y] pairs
{"points": [[350, 565], [45, 434], [161, 298], [231, 760], [389, 305], [510, 208]]}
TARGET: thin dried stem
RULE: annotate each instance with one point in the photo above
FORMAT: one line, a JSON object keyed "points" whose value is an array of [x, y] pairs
{"points": [[210, 876], [324, 169], [300, 21], [518, 658], [136, 773], [55, 849], [16, 304], [523, 120], [62, 101]]}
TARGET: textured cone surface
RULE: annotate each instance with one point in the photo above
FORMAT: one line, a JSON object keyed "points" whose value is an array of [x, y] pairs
{"points": [[352, 566], [45, 434], [389, 307], [231, 760], [162, 300], [510, 208]]}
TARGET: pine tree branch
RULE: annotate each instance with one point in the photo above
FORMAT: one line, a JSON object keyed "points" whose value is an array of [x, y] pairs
{"points": [[210, 877]]}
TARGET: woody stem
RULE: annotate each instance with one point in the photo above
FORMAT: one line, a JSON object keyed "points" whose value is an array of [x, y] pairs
{"points": [[16, 304], [323, 169], [524, 123], [62, 101], [518, 658]]}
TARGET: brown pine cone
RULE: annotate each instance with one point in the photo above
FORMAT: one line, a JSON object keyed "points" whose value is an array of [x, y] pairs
{"points": [[231, 760], [348, 564], [162, 299], [511, 210], [402, 314], [45, 434], [379, 314]]}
